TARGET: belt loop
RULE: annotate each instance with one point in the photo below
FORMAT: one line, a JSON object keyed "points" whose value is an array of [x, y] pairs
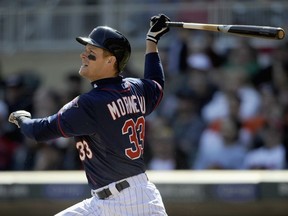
{"points": [[113, 189], [93, 193]]}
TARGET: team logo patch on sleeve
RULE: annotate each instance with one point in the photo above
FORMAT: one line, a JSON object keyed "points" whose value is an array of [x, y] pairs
{"points": [[71, 104]]}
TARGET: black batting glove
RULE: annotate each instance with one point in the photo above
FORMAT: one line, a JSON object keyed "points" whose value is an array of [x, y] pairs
{"points": [[17, 117], [158, 27]]}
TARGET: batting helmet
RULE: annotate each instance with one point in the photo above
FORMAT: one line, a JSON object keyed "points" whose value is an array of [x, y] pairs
{"points": [[109, 39]]}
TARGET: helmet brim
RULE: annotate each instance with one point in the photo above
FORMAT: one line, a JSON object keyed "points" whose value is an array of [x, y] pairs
{"points": [[85, 40]]}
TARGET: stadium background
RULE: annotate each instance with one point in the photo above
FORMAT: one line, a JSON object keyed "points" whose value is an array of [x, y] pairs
{"points": [[37, 39]]}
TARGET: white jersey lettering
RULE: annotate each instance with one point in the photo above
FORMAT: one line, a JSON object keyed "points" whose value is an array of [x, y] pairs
{"points": [[126, 105], [114, 111]]}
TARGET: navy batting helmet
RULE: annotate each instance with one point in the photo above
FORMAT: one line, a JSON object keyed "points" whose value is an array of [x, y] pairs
{"points": [[109, 39]]}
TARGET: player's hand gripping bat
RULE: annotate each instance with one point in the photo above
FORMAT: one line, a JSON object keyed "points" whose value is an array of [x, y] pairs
{"points": [[267, 32]]}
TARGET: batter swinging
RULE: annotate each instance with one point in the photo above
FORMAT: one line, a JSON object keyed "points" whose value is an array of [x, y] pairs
{"points": [[108, 124]]}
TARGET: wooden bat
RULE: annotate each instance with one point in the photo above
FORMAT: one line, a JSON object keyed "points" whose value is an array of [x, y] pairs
{"points": [[267, 32]]}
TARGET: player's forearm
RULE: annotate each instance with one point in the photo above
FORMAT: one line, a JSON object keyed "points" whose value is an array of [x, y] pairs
{"points": [[40, 129], [151, 47], [153, 68]]}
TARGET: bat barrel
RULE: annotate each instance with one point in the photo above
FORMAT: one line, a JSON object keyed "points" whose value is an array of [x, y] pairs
{"points": [[257, 31]]}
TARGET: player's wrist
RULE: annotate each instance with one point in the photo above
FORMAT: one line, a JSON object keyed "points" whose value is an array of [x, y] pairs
{"points": [[151, 46]]}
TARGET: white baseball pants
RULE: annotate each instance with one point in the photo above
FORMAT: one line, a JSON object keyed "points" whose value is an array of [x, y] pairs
{"points": [[142, 198]]}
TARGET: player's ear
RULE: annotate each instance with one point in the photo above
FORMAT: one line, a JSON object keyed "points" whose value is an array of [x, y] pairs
{"points": [[111, 59]]}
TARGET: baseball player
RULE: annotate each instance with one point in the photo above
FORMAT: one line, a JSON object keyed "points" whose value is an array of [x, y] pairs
{"points": [[108, 123]]}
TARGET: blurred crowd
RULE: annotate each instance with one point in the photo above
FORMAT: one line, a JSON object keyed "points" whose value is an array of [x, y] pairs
{"points": [[221, 110], [24, 91]]}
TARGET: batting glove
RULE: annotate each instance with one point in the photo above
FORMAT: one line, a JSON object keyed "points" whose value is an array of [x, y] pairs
{"points": [[158, 27], [18, 116]]}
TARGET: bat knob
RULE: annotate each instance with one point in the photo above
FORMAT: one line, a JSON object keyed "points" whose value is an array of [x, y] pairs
{"points": [[280, 34]]}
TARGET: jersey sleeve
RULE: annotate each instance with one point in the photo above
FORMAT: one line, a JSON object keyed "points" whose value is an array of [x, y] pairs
{"points": [[153, 69], [74, 119], [153, 94], [41, 129], [153, 81], [78, 117]]}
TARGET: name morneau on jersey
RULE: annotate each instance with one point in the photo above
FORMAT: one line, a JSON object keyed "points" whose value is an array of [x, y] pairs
{"points": [[126, 105]]}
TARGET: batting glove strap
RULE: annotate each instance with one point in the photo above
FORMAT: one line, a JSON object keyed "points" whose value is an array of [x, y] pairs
{"points": [[17, 117], [158, 27], [151, 38]]}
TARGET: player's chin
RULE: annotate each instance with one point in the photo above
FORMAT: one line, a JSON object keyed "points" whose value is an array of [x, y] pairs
{"points": [[83, 70]]}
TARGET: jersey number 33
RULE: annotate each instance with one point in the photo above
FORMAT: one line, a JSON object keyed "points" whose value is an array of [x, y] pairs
{"points": [[136, 133]]}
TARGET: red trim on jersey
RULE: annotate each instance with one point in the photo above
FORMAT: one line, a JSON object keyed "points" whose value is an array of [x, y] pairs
{"points": [[59, 126], [159, 99]]}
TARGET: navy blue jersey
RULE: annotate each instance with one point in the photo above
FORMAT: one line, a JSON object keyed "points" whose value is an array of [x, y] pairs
{"points": [[108, 124]]}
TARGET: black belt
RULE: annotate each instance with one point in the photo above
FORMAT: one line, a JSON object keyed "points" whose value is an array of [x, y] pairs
{"points": [[105, 193]]}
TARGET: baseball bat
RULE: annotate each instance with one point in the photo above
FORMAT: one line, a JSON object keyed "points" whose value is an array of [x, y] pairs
{"points": [[267, 32]]}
